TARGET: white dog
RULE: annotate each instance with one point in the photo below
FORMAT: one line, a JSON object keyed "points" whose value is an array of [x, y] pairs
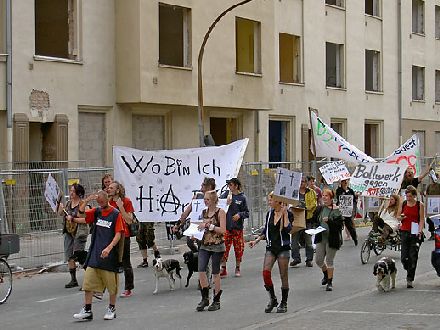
{"points": [[166, 268], [385, 270]]}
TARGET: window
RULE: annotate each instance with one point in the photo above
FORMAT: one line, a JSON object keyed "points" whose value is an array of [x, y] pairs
{"points": [[174, 35], [248, 45], [418, 83], [338, 3], [56, 28], [279, 140], [437, 22], [418, 16], [339, 126], [372, 139], [372, 70], [334, 65], [372, 7], [290, 58], [437, 86], [421, 136]]}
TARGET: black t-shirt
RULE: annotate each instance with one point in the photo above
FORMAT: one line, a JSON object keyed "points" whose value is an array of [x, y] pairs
{"points": [[275, 235], [413, 182]]}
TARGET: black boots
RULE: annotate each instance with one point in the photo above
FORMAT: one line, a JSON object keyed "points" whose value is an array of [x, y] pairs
{"points": [[215, 306], [329, 285], [325, 278], [272, 299], [73, 282], [205, 299], [282, 308]]}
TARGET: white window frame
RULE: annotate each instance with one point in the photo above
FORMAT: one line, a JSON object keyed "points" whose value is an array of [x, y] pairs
{"points": [[377, 70], [336, 3], [376, 5], [339, 66], [257, 47], [418, 83]]}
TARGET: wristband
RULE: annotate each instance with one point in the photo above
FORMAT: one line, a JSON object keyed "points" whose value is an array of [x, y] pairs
{"points": [[211, 227]]}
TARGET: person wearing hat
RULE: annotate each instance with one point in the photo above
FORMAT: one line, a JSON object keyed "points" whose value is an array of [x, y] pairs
{"points": [[237, 212]]}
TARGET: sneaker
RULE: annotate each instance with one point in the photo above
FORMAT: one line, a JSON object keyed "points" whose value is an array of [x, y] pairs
{"points": [[111, 313], [237, 272], [309, 263], [126, 294], [223, 273], [294, 263], [83, 315], [143, 264], [98, 295]]}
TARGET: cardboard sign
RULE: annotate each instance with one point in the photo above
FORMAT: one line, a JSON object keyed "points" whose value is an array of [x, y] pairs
{"points": [[287, 186], [299, 219], [377, 179], [346, 205], [334, 171]]}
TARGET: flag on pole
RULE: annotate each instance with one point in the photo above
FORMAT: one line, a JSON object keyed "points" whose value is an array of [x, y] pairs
{"points": [[407, 154]]}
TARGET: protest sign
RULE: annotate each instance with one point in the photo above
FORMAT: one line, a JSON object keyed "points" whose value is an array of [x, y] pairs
{"points": [[328, 143], [287, 186], [432, 204], [346, 205], [161, 183], [334, 171], [408, 155], [377, 179], [299, 219], [52, 192]]}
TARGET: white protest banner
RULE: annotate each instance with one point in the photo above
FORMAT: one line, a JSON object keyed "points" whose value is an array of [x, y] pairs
{"points": [[328, 143], [287, 185], [334, 171], [377, 179], [52, 192], [346, 205], [161, 183], [408, 154]]}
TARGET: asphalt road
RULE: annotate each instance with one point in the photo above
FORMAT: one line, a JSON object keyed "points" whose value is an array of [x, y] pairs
{"points": [[40, 301]]}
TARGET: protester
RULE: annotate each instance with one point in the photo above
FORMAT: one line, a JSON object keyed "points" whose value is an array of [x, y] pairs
{"points": [[75, 235], [208, 184], [102, 259], [409, 178], [311, 184], [237, 212], [329, 241], [411, 233], [146, 240], [118, 200], [276, 233], [308, 199], [432, 189], [212, 247], [345, 190], [388, 218], [106, 180]]}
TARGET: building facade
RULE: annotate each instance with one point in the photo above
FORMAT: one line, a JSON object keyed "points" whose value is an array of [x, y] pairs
{"points": [[87, 75]]}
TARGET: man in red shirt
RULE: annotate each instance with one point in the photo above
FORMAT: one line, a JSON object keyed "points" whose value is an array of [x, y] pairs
{"points": [[102, 260]]}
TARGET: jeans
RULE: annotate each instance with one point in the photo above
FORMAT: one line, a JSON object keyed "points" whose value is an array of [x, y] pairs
{"points": [[409, 253], [308, 241]]}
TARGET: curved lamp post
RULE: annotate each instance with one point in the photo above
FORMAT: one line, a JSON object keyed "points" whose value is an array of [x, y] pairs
{"points": [[199, 69]]}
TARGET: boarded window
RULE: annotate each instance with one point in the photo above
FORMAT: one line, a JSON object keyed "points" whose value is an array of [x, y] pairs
{"points": [[372, 7], [372, 70], [56, 30], [418, 16], [92, 138], [290, 58], [174, 35], [334, 65], [418, 83], [248, 45], [154, 139]]}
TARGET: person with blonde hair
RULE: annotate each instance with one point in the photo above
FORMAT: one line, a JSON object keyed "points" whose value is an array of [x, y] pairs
{"points": [[388, 217]]}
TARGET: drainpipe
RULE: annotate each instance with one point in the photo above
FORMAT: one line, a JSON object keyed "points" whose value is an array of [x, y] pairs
{"points": [[399, 67], [9, 77]]}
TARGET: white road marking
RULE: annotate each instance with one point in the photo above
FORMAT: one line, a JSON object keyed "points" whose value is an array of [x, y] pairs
{"points": [[60, 297], [380, 313], [46, 300]]}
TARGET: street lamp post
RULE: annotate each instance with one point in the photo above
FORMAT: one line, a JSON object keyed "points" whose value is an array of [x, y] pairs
{"points": [[199, 69]]}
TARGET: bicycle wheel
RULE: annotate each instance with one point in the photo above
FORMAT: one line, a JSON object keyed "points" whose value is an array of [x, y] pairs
{"points": [[365, 252], [378, 249], [5, 281]]}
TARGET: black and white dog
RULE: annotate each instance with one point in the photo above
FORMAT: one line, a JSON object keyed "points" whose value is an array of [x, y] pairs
{"points": [[166, 268], [385, 270], [191, 260]]}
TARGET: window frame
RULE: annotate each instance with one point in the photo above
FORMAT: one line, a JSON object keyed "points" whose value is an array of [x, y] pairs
{"points": [[257, 49], [377, 8], [297, 59], [337, 3], [339, 66], [418, 17], [415, 84], [378, 73]]}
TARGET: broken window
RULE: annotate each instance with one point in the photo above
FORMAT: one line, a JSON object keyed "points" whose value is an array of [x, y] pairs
{"points": [[437, 86], [338, 3], [372, 70], [174, 35], [418, 16], [418, 83], [56, 28], [437, 22], [334, 65], [372, 7], [290, 58], [248, 45]]}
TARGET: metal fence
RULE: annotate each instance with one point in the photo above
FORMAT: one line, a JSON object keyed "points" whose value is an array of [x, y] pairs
{"points": [[24, 210]]}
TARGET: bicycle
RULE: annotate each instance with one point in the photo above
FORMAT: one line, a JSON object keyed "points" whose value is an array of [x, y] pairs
{"points": [[8, 244], [372, 242]]}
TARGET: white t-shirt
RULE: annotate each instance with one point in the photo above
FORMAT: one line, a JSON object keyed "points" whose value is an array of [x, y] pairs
{"points": [[389, 219]]}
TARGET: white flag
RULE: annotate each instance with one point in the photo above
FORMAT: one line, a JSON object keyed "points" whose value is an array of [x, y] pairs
{"points": [[408, 154]]}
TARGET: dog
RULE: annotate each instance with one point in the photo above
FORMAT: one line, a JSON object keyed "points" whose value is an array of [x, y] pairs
{"points": [[385, 270], [191, 260], [166, 268]]}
